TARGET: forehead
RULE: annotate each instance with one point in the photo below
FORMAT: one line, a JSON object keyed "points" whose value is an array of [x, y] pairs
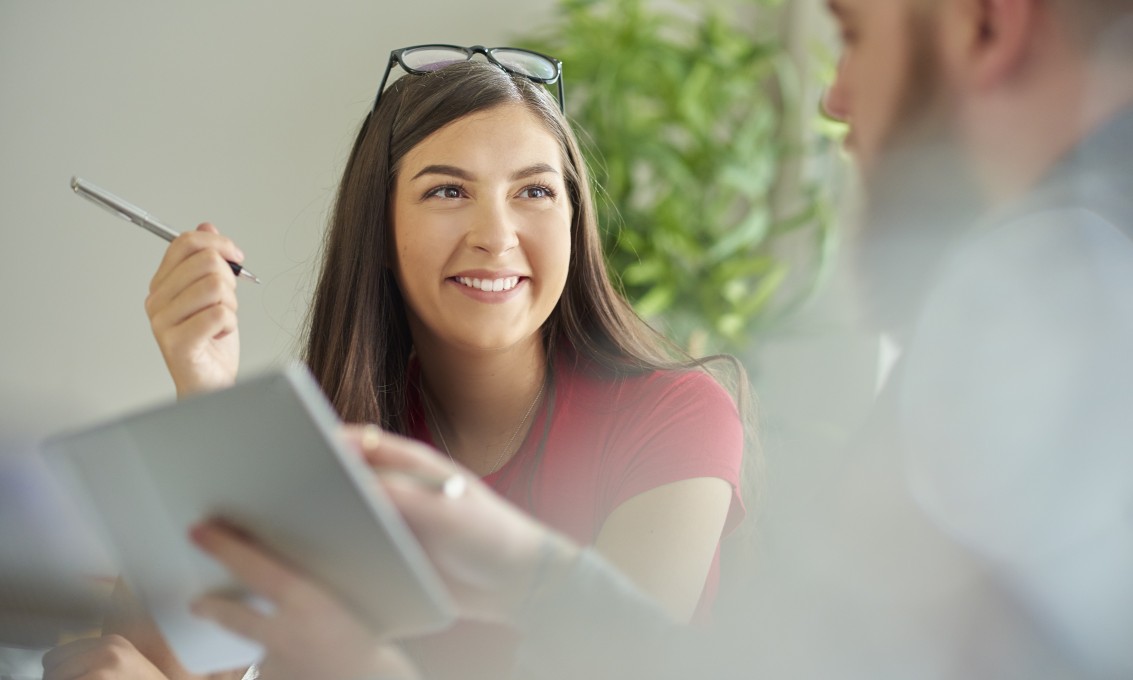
{"points": [[501, 137]]}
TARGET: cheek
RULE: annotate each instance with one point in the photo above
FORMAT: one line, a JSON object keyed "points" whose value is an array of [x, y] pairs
{"points": [[411, 254], [877, 81], [555, 256], [401, 253], [419, 264], [420, 238], [547, 249]]}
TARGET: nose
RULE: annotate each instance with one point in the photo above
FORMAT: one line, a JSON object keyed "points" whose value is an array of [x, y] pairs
{"points": [[836, 101], [493, 230]]}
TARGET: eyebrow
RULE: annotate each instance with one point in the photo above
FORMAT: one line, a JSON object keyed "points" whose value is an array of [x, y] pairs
{"points": [[460, 173], [532, 170]]}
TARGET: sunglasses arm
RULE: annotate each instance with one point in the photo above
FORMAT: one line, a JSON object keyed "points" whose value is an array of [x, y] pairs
{"points": [[385, 77]]}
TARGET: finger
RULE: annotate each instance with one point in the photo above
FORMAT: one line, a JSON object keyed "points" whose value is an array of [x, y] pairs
{"points": [[238, 617], [388, 450], [451, 486], [392, 663], [417, 504], [417, 493], [214, 288], [197, 265], [205, 237], [263, 574], [191, 242], [73, 668], [57, 656], [106, 656], [365, 436], [387, 662], [212, 323], [406, 460], [205, 266]]}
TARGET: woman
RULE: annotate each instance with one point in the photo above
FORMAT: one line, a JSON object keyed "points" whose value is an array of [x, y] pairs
{"points": [[464, 301]]}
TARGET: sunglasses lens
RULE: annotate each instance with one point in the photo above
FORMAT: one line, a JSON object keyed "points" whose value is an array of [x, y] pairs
{"points": [[526, 63], [432, 58]]}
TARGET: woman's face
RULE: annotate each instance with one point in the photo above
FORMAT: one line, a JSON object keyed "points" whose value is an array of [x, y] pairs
{"points": [[481, 223]]}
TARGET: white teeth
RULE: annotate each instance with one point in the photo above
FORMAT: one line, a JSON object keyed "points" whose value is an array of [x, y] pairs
{"points": [[490, 285]]}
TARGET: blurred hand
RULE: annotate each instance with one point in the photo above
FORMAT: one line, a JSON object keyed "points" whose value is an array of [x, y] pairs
{"points": [[127, 618], [109, 656], [487, 551], [192, 310], [309, 634]]}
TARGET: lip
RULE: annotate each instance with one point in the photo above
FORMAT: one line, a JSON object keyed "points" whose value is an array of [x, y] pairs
{"points": [[490, 297]]}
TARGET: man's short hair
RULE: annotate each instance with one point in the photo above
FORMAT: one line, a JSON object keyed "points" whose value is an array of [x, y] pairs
{"points": [[1090, 20]]}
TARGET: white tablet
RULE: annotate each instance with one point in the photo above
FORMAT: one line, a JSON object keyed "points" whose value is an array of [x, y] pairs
{"points": [[264, 455]]}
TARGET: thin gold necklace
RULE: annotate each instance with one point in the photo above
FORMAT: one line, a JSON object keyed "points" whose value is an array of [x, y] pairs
{"points": [[507, 447]]}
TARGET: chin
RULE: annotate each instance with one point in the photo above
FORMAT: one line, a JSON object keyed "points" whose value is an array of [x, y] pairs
{"points": [[492, 343]]}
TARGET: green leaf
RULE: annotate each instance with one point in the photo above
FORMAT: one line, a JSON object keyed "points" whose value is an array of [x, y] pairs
{"points": [[687, 116], [643, 272], [656, 301], [742, 238]]}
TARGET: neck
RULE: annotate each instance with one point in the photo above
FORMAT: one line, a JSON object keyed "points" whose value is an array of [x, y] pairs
{"points": [[480, 398], [1056, 101]]}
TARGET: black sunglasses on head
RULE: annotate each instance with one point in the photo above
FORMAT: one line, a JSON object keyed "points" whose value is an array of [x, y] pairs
{"points": [[422, 59]]}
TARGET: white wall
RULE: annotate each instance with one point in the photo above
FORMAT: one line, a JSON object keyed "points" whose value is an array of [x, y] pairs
{"points": [[240, 113]]}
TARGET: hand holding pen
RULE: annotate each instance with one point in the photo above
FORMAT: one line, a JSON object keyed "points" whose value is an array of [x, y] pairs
{"points": [[192, 300], [133, 213]]}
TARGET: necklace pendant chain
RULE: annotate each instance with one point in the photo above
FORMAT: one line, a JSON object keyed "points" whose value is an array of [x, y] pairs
{"points": [[432, 415]]}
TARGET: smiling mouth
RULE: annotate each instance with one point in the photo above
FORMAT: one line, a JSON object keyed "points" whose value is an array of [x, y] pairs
{"points": [[489, 285]]}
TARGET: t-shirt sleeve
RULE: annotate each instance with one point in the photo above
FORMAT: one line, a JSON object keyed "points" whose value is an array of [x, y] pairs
{"points": [[684, 426]]}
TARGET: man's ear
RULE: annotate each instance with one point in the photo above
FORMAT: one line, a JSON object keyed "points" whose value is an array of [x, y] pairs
{"points": [[1002, 34]]}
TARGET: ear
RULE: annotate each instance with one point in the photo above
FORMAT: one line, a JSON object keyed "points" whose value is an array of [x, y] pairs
{"points": [[1002, 36]]}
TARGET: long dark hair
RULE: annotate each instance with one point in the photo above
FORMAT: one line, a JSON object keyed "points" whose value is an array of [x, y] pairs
{"points": [[357, 337]]}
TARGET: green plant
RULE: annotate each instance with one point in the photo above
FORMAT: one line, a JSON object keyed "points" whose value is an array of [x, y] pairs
{"points": [[685, 118]]}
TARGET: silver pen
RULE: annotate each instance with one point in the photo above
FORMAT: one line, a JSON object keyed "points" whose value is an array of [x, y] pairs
{"points": [[133, 213]]}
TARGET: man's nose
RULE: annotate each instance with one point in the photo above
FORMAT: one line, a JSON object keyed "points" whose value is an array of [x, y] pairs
{"points": [[836, 100]]}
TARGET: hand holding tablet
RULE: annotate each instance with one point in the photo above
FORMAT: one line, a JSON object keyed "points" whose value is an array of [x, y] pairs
{"points": [[264, 457]]}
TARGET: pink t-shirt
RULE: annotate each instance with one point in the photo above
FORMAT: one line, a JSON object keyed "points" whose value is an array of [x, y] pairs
{"points": [[608, 440]]}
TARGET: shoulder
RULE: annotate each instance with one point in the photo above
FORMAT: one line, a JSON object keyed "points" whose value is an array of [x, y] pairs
{"points": [[1025, 318], [674, 390], [1060, 270], [648, 430], [1063, 240], [692, 386]]}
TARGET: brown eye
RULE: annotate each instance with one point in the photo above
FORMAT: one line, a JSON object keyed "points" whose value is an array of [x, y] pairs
{"points": [[449, 191], [538, 191]]}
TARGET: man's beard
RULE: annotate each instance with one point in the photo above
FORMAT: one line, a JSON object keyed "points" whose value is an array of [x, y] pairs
{"points": [[920, 193]]}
